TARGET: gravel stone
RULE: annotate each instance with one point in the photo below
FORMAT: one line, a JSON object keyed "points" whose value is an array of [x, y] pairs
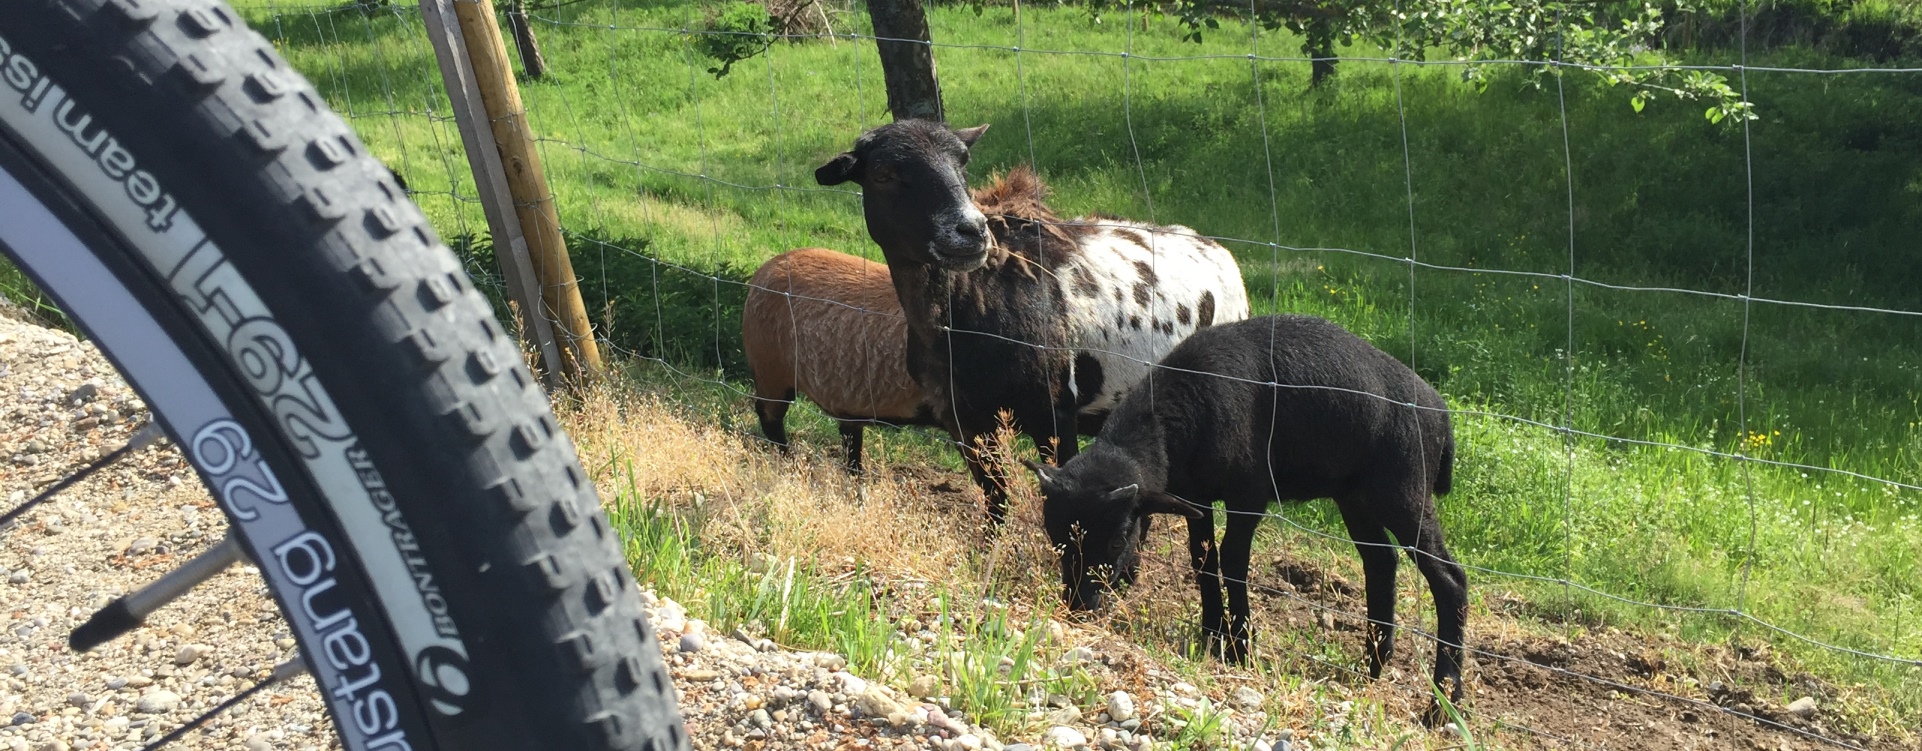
{"points": [[190, 653], [924, 687], [1121, 707], [692, 642], [1803, 708], [160, 701], [1061, 736]]}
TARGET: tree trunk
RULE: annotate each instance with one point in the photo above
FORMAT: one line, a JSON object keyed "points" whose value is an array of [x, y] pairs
{"points": [[1319, 45], [531, 62], [908, 65]]}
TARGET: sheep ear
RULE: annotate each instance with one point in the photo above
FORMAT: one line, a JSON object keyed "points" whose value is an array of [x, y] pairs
{"points": [[1162, 503], [1126, 493], [1050, 481], [970, 135], [838, 170]]}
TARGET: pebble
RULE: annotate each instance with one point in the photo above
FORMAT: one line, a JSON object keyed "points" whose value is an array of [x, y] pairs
{"points": [[1077, 656], [1803, 708], [190, 653], [1066, 737], [1121, 707], [670, 616], [22, 718], [924, 687], [53, 745], [874, 703], [1017, 747], [852, 685], [968, 741], [760, 719], [257, 743], [691, 643], [115, 684], [139, 681], [78, 699], [158, 702], [821, 701], [18, 577], [1067, 715], [1248, 698]]}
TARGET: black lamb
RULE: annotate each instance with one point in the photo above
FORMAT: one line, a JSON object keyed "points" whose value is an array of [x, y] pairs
{"points": [[1347, 421]]}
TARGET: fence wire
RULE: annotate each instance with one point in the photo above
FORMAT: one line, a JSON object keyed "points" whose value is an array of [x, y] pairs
{"points": [[661, 191]]}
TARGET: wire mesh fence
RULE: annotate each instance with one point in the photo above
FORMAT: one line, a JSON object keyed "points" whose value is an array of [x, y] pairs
{"points": [[1681, 356]]}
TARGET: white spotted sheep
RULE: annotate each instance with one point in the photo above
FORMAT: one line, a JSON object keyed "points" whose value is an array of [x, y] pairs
{"points": [[827, 325], [1010, 307], [1340, 425]]}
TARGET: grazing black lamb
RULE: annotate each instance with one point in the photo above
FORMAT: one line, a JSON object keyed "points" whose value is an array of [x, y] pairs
{"points": [[1210, 427], [1010, 307]]}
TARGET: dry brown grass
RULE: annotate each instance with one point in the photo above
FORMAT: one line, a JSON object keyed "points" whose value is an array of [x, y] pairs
{"points": [[919, 532]]}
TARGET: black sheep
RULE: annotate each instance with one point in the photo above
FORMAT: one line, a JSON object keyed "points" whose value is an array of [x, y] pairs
{"points": [[1209, 427]]}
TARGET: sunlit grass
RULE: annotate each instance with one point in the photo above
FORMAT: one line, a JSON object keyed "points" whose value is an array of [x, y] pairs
{"points": [[1316, 192]]}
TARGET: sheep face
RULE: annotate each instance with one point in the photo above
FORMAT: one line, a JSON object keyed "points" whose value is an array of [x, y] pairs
{"points": [[1096, 524], [914, 193]]}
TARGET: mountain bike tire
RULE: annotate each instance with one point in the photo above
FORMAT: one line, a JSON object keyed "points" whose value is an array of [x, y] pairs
{"points": [[379, 446]]}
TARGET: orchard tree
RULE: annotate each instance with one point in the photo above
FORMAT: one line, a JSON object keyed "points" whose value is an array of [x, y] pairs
{"points": [[1619, 41]]}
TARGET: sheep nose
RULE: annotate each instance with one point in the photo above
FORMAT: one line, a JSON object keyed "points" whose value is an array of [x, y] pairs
{"points": [[972, 227]]}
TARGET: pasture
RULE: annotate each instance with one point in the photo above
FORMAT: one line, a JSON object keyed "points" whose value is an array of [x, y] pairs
{"points": [[1685, 358]]}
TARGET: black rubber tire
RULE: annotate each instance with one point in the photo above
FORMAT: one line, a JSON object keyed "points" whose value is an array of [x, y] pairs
{"points": [[500, 530]]}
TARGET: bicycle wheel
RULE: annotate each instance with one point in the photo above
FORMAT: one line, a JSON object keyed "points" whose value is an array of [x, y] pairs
{"points": [[369, 429]]}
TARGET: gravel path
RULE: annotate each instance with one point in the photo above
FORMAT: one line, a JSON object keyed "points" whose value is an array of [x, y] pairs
{"points": [[61, 405]]}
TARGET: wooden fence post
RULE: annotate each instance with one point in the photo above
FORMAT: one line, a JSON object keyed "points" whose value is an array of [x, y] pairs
{"points": [[507, 171], [490, 180]]}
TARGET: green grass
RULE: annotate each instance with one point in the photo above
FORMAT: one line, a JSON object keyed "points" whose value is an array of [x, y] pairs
{"points": [[629, 119]]}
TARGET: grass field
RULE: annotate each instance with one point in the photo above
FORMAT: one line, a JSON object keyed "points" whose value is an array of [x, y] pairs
{"points": [[630, 120], [674, 185]]}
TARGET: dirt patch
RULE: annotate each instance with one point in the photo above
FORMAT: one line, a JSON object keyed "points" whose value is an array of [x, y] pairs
{"points": [[1604, 688]]}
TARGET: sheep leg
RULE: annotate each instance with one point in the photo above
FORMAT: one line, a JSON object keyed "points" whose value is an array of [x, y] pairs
{"points": [[1206, 560], [1420, 530], [851, 434], [1378, 563], [773, 414], [978, 449], [1066, 440], [1236, 544]]}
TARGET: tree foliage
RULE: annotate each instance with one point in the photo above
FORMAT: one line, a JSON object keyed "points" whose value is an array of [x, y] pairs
{"points": [[1619, 41]]}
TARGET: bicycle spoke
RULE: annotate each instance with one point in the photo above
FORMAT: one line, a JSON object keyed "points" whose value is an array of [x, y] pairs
{"points": [[140, 440], [282, 672], [127, 613]]}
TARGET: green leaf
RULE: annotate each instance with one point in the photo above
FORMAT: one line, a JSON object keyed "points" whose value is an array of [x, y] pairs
{"points": [[1714, 114], [1638, 103]]}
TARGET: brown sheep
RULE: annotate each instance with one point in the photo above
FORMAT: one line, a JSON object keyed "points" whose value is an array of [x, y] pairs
{"points": [[829, 326]]}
